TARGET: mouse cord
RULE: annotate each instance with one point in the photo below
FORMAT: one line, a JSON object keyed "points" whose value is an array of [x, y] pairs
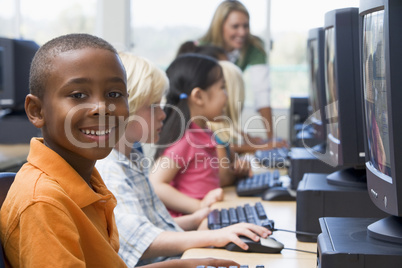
{"points": [[296, 232], [300, 250]]}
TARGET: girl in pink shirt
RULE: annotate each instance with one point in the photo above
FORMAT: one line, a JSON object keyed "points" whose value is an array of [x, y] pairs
{"points": [[186, 172]]}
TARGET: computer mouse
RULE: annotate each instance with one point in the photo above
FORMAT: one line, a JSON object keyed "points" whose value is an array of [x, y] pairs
{"points": [[277, 194], [265, 245]]}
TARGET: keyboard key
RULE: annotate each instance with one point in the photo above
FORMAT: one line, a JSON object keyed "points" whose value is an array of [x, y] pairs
{"points": [[233, 216], [240, 214], [260, 211], [214, 220], [225, 218], [248, 213], [258, 183]]}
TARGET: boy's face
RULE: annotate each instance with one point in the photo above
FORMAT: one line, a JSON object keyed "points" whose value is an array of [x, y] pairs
{"points": [[85, 104], [146, 124]]}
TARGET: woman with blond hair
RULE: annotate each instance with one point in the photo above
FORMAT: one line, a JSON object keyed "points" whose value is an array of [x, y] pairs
{"points": [[230, 29]]}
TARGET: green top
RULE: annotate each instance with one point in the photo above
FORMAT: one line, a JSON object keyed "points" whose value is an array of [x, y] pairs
{"points": [[253, 56]]}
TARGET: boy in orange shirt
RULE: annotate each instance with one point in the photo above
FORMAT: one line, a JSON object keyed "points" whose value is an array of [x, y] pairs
{"points": [[58, 212]]}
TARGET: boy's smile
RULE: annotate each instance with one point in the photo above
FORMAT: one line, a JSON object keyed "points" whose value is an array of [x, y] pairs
{"points": [[85, 104]]}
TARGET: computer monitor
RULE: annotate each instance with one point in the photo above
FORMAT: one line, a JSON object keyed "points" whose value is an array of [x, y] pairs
{"points": [[15, 61], [381, 57], [344, 112], [315, 61]]}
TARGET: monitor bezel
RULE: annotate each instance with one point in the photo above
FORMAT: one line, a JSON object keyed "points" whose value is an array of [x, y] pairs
{"points": [[385, 194], [349, 151]]}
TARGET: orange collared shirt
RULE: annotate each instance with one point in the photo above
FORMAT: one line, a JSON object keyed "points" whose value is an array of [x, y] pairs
{"points": [[52, 218]]}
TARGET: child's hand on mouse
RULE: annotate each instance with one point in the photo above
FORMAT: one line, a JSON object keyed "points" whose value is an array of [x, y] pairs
{"points": [[232, 233], [211, 197]]}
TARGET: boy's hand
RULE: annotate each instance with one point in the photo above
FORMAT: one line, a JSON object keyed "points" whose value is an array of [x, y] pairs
{"points": [[211, 197], [231, 234]]}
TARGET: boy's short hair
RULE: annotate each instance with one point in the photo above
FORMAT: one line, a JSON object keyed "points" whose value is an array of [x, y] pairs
{"points": [[42, 63], [146, 83]]}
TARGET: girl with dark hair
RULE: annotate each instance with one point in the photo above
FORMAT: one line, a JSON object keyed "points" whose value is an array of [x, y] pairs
{"points": [[187, 166]]}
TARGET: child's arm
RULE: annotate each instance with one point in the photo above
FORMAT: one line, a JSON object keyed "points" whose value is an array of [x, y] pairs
{"points": [[163, 172], [173, 243], [250, 147], [226, 172], [192, 221], [231, 168], [192, 263]]}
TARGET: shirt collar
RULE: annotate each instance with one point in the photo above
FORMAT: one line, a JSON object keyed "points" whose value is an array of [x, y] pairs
{"points": [[234, 55], [59, 170]]}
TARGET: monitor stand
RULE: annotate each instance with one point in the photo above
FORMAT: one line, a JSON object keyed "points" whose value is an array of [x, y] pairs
{"points": [[344, 242], [303, 161], [388, 229], [16, 128], [349, 177], [316, 198]]}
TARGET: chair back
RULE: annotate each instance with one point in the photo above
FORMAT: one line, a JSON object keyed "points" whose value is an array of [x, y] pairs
{"points": [[6, 179]]}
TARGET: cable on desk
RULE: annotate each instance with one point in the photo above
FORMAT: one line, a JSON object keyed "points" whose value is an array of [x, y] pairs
{"points": [[296, 232], [301, 250]]}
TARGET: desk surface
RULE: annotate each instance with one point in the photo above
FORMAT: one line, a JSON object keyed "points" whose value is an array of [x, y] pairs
{"points": [[284, 215]]}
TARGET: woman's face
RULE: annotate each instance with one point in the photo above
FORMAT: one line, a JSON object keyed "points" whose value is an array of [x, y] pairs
{"points": [[235, 30]]}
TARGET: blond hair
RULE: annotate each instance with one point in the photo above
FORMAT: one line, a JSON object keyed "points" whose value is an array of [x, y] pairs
{"points": [[214, 34], [230, 130], [146, 83]]}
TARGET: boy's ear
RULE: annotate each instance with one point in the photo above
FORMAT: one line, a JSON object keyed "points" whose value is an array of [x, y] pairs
{"points": [[33, 109], [197, 96]]}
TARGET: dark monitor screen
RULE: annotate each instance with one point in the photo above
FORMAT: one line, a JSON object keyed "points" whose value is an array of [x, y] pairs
{"points": [[1, 70], [330, 86], [15, 61], [315, 58], [375, 93], [312, 49]]}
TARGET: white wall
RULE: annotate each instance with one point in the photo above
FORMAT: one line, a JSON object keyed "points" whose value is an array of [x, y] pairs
{"points": [[114, 22]]}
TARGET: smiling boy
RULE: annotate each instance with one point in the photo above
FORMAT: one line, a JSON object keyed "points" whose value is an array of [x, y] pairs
{"points": [[58, 212]]}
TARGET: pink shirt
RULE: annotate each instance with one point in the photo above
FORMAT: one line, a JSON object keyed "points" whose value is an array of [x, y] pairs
{"points": [[195, 154]]}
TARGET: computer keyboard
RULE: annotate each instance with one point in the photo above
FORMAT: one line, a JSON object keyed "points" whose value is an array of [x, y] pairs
{"points": [[248, 213], [274, 158], [258, 183], [241, 266]]}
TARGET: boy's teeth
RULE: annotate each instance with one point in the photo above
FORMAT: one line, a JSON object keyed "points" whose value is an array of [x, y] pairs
{"points": [[97, 132]]}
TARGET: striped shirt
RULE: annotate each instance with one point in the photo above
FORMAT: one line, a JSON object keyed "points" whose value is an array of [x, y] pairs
{"points": [[140, 214]]}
